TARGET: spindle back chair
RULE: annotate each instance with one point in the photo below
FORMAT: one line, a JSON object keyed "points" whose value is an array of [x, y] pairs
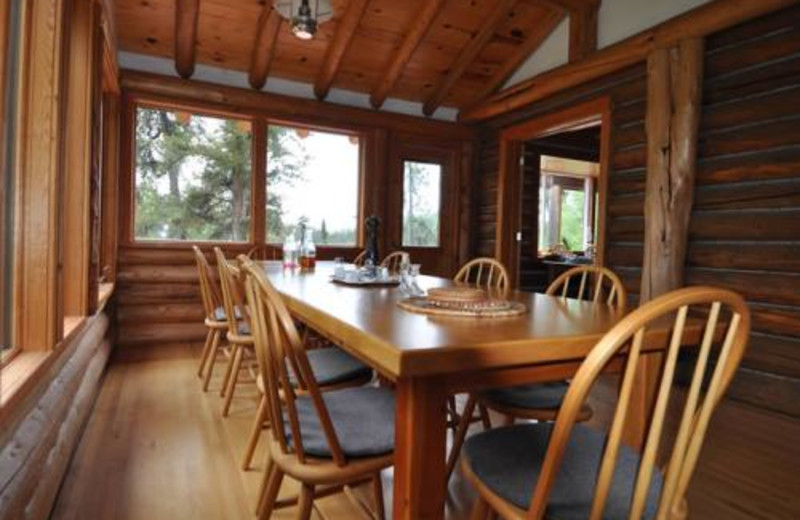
{"points": [[394, 260], [598, 284], [628, 338], [484, 272], [214, 320], [358, 261]]}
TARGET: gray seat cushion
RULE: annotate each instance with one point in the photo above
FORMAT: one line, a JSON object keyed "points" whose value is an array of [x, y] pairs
{"points": [[333, 365], [219, 314], [509, 460], [363, 418], [539, 396]]}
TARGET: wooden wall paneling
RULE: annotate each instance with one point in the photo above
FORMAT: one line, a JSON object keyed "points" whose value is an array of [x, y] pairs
{"points": [[419, 27], [110, 187], [468, 55], [705, 19], [466, 204], [269, 24], [673, 113], [37, 235], [345, 30], [187, 13]]}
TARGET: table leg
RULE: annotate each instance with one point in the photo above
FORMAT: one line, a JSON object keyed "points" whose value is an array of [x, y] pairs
{"points": [[420, 438]]}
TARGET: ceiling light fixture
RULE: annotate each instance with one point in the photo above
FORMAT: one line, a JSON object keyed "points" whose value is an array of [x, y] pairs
{"points": [[305, 16]]}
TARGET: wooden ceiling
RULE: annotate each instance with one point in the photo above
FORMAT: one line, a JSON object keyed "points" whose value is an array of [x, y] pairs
{"points": [[438, 52]]}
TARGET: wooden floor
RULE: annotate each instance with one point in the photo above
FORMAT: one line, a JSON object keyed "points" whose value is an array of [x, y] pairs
{"points": [[156, 448]]}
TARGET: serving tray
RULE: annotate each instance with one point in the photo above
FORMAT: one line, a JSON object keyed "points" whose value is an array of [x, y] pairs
{"points": [[483, 309]]}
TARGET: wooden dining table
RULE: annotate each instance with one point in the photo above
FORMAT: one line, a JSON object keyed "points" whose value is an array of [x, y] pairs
{"points": [[431, 357]]}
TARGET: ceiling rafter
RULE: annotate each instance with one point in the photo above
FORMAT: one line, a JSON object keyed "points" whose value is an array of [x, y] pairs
{"points": [[583, 31], [269, 25], [468, 54], [341, 41], [187, 13], [420, 25], [547, 24]]}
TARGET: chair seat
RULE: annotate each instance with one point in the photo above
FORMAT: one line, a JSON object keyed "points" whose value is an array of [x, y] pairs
{"points": [[219, 314], [508, 461], [333, 365], [539, 396], [363, 418], [243, 328]]}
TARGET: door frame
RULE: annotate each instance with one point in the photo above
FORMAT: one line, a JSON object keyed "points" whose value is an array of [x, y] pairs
{"points": [[509, 177]]}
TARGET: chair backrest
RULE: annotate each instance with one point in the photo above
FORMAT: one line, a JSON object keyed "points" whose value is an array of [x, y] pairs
{"points": [[279, 348], [209, 291], [484, 272], [231, 281], [394, 260], [358, 261], [630, 337], [594, 283], [262, 252]]}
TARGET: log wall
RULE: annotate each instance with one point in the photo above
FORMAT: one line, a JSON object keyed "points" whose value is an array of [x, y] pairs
{"points": [[745, 227]]}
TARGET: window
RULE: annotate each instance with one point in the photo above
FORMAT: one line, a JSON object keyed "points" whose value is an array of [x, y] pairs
{"points": [[193, 176], [422, 183], [312, 179], [567, 202], [10, 17]]}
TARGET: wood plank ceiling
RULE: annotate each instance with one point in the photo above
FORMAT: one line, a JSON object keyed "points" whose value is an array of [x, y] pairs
{"points": [[439, 52]]}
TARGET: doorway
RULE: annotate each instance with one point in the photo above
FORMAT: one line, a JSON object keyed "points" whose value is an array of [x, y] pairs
{"points": [[552, 193]]}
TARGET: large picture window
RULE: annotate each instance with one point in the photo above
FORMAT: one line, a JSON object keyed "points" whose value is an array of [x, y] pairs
{"points": [[193, 176], [422, 193], [312, 180]]}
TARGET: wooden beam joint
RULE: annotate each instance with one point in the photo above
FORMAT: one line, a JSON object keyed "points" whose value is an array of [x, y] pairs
{"points": [[269, 25], [583, 31]]}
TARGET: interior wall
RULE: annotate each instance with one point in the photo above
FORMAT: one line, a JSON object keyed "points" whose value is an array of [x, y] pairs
{"points": [[745, 231]]}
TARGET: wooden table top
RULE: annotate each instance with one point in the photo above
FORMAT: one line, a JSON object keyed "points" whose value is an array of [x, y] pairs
{"points": [[368, 323]]}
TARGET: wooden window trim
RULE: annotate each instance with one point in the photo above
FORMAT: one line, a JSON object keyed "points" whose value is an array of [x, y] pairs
{"points": [[133, 100]]}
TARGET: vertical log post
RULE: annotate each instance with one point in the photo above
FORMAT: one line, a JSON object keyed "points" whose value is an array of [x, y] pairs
{"points": [[674, 91]]}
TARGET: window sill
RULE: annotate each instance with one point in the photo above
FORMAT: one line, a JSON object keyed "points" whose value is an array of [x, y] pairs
{"points": [[104, 292], [18, 376]]}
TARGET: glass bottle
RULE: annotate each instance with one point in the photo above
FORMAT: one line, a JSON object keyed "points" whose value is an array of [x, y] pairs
{"points": [[290, 251], [308, 254]]}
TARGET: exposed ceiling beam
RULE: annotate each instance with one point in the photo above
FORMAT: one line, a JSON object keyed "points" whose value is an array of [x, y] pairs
{"points": [[703, 20], [269, 25], [489, 27], [547, 24], [420, 25], [186, 14], [583, 31], [333, 56]]}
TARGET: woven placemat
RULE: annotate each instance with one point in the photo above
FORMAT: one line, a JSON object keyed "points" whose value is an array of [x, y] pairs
{"points": [[486, 309]]}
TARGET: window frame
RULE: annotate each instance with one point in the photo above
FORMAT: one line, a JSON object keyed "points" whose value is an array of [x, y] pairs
{"points": [[133, 99], [362, 140]]}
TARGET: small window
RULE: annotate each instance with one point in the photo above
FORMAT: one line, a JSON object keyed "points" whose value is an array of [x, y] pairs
{"points": [[193, 176], [567, 202], [422, 184], [313, 180]]}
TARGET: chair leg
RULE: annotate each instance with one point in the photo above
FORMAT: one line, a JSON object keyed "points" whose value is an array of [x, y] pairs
{"points": [[377, 491], [270, 486], [229, 369], [212, 358], [305, 502], [485, 419], [255, 434], [234, 377], [480, 510], [461, 434], [204, 354]]}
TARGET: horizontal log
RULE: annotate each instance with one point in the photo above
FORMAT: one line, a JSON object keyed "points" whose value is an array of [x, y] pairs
{"points": [[628, 205], [160, 313], [629, 181], [157, 333], [772, 319], [631, 278], [630, 135], [627, 229], [745, 225], [733, 37], [769, 76], [157, 274], [769, 105], [628, 114], [136, 293], [772, 134], [752, 195], [765, 390], [737, 255], [774, 164], [623, 255], [630, 159], [755, 286], [766, 48], [776, 354]]}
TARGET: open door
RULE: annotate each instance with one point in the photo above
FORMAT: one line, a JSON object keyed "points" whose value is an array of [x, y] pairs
{"points": [[421, 206]]}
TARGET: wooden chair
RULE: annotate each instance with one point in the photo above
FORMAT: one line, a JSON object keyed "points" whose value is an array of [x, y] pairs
{"points": [[215, 319], [262, 252], [589, 473], [484, 272], [394, 260], [344, 438], [358, 261], [541, 401], [239, 333], [333, 368]]}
